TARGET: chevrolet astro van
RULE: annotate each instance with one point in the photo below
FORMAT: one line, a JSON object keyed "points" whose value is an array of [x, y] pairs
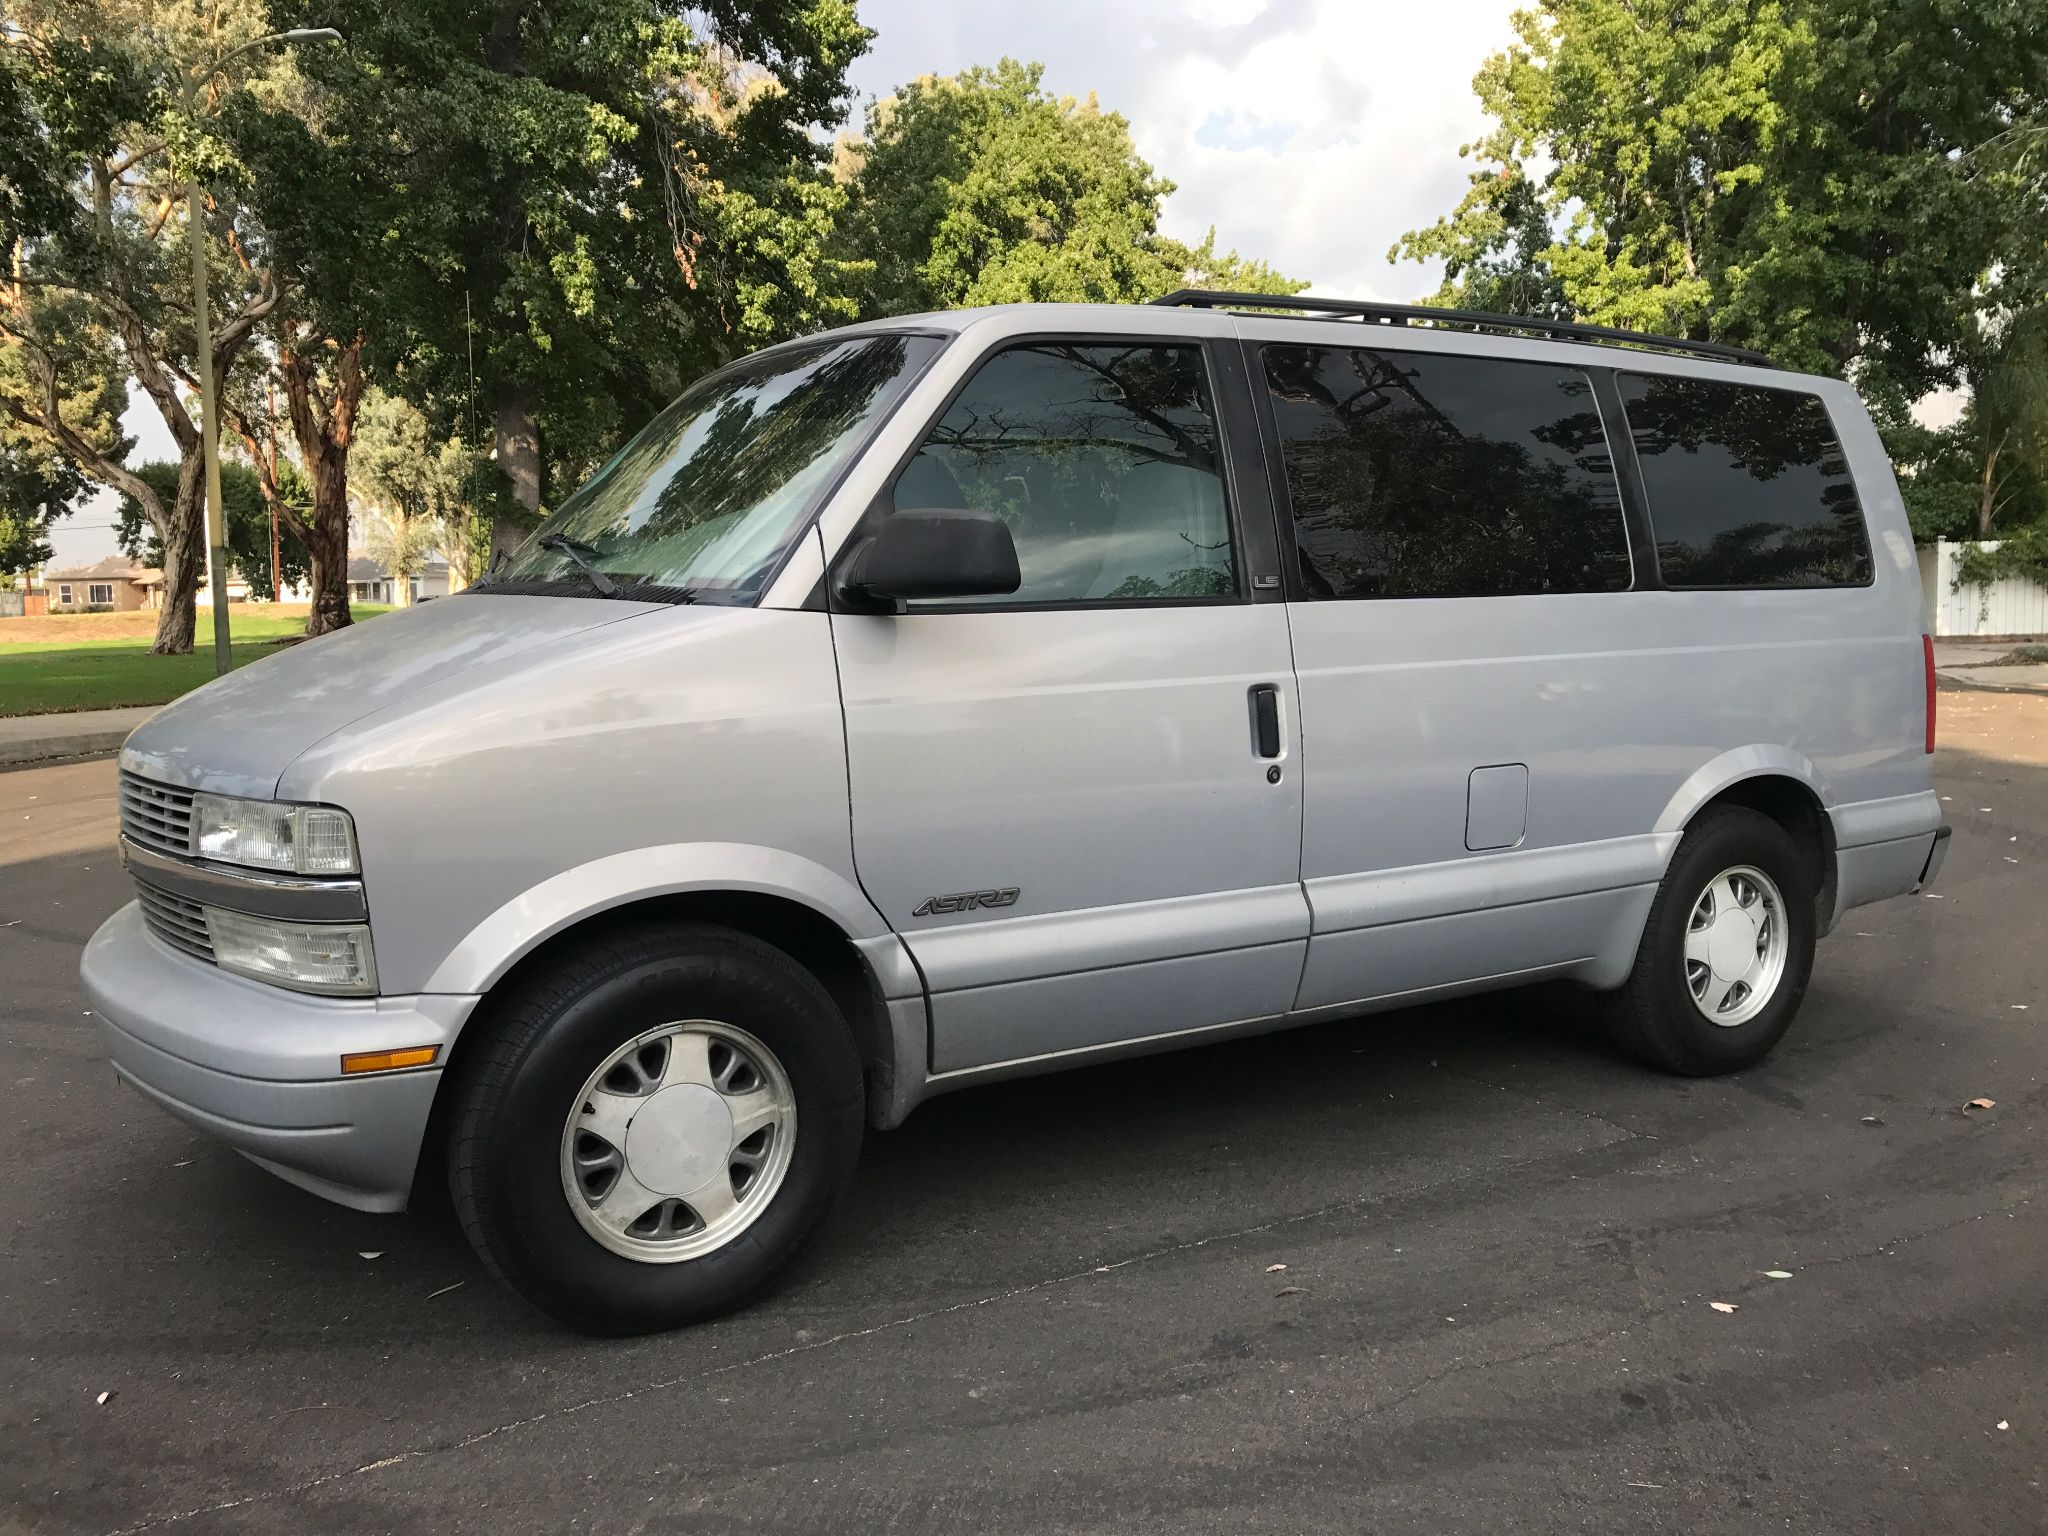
{"points": [[974, 694]]}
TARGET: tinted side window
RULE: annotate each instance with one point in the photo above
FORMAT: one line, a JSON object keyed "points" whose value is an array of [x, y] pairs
{"points": [[1413, 474], [1748, 487], [1104, 461]]}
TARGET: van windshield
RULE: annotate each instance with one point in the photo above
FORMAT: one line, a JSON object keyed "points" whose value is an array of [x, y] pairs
{"points": [[704, 501]]}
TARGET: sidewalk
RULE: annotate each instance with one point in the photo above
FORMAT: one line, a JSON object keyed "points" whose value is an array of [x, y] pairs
{"points": [[35, 738], [1980, 664]]}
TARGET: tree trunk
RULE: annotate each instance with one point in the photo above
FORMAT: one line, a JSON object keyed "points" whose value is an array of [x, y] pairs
{"points": [[1987, 492], [325, 427], [519, 458], [327, 555], [184, 540]]}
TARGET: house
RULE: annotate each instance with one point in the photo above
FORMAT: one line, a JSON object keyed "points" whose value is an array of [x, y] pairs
{"points": [[369, 580], [116, 584]]}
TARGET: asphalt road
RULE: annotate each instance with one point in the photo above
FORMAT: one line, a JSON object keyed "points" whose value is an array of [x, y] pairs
{"points": [[1046, 1306]]}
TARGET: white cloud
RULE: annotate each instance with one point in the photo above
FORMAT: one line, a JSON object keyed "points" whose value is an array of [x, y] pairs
{"points": [[1311, 133]]}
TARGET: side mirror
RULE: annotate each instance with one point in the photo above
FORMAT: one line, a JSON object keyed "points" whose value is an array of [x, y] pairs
{"points": [[934, 552]]}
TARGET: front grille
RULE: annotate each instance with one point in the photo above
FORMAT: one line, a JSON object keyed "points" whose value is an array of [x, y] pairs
{"points": [[156, 816], [178, 922]]}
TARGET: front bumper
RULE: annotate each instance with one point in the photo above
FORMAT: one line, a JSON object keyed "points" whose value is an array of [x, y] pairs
{"points": [[259, 1066]]}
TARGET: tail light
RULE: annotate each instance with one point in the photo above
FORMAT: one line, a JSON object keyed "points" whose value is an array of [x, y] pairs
{"points": [[1927, 659]]}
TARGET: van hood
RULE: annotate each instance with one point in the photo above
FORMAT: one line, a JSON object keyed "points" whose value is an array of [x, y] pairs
{"points": [[238, 734]]}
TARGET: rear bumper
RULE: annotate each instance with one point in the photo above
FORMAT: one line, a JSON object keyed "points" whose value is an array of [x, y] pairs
{"points": [[259, 1067], [1887, 847], [1935, 856]]}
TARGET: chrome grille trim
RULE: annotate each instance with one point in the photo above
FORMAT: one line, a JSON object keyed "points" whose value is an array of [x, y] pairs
{"points": [[156, 816], [178, 922]]}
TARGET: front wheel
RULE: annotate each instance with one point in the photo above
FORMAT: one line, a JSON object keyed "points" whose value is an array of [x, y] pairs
{"points": [[654, 1127], [1727, 950]]}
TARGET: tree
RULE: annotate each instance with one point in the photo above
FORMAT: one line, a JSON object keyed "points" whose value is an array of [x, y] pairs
{"points": [[2007, 422], [981, 188], [247, 511], [1770, 172], [97, 88], [38, 484], [36, 488], [418, 491], [595, 202], [322, 383]]}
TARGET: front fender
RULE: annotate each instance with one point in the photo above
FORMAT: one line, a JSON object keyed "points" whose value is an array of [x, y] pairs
{"points": [[528, 920]]}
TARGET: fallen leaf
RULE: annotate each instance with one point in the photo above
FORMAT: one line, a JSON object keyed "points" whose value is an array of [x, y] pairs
{"points": [[1980, 1104], [102, 1399], [1288, 1290], [1276, 1269], [377, 1255], [1777, 1274], [1722, 1306]]}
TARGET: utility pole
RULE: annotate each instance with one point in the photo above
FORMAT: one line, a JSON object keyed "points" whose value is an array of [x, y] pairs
{"points": [[202, 358], [270, 429]]}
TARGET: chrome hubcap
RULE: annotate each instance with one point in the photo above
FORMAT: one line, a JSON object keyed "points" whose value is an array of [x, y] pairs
{"points": [[678, 1141], [1735, 945]]}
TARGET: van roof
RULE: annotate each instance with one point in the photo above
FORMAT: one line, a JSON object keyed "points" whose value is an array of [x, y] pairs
{"points": [[1290, 305], [1459, 319]]}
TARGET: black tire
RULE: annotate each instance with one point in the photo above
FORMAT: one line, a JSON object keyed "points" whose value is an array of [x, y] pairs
{"points": [[1653, 1016], [516, 1086]]}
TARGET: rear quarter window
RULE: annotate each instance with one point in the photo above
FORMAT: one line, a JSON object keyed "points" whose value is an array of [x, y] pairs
{"points": [[1747, 486], [1423, 474]]}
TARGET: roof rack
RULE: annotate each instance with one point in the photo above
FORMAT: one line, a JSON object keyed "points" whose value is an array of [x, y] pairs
{"points": [[1472, 319]]}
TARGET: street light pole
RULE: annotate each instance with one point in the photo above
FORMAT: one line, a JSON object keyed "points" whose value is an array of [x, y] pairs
{"points": [[216, 520], [202, 358]]}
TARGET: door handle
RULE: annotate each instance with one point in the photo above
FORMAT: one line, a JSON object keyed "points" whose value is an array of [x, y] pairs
{"points": [[1266, 720]]}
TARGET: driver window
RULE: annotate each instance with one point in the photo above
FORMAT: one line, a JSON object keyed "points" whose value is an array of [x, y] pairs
{"points": [[1104, 461]]}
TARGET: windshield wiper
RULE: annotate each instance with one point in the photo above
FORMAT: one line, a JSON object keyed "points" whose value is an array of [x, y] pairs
{"points": [[578, 554]]}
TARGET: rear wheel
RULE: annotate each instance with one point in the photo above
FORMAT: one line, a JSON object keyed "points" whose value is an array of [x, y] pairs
{"points": [[654, 1127], [1727, 950]]}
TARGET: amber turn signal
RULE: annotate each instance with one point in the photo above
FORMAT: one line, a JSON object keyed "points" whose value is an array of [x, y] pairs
{"points": [[389, 1061]]}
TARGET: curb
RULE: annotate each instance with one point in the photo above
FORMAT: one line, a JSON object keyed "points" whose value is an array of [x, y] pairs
{"points": [[51, 749], [1971, 685]]}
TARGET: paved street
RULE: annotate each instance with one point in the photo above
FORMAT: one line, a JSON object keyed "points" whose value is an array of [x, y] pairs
{"points": [[1046, 1305]]}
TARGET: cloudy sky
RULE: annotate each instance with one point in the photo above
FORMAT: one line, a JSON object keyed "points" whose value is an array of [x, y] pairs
{"points": [[1311, 133]]}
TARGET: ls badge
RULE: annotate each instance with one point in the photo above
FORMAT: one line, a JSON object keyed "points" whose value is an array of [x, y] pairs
{"points": [[967, 901]]}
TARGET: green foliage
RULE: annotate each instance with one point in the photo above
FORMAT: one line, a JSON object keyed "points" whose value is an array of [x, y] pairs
{"points": [[37, 486], [1785, 174], [2023, 554], [53, 345], [418, 490], [625, 192], [248, 523], [981, 188]]}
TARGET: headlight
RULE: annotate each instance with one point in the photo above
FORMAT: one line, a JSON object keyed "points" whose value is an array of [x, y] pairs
{"points": [[333, 958], [262, 834]]}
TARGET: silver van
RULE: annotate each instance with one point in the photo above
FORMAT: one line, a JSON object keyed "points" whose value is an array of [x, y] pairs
{"points": [[975, 694]]}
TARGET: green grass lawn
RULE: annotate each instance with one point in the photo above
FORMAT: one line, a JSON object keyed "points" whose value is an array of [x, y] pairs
{"points": [[47, 677]]}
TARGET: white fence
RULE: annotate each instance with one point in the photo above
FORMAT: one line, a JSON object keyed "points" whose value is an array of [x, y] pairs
{"points": [[2012, 605]]}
